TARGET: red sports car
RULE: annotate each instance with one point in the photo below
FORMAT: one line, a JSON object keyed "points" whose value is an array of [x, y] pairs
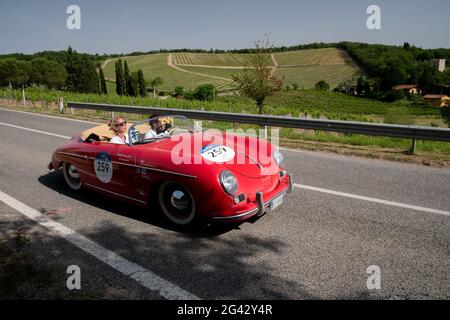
{"points": [[194, 175]]}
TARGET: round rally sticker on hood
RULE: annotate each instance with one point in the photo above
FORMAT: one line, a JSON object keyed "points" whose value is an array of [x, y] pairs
{"points": [[217, 153], [103, 167]]}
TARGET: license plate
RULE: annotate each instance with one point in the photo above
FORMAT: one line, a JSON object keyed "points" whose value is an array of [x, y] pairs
{"points": [[275, 203]]}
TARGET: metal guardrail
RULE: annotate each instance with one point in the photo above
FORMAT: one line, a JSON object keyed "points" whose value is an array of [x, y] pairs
{"points": [[375, 129]]}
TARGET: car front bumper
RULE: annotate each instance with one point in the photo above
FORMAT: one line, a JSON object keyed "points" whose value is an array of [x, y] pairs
{"points": [[262, 206]]}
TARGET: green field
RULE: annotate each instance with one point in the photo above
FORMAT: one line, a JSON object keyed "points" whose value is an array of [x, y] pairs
{"points": [[155, 65], [312, 57], [210, 59], [303, 67], [307, 76]]}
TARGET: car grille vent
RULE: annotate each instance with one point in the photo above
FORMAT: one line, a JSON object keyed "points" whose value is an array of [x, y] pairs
{"points": [[241, 197]]}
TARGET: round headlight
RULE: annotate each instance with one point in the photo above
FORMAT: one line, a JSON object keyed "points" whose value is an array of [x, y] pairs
{"points": [[228, 182], [278, 156]]}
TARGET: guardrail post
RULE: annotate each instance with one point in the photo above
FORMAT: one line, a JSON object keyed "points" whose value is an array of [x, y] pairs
{"points": [[413, 147], [61, 105], [23, 97], [112, 115]]}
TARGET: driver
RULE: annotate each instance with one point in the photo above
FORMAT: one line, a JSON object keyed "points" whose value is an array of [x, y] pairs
{"points": [[158, 127]]}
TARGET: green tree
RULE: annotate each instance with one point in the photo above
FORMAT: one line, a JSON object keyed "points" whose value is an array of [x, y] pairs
{"points": [[322, 85], [71, 79], [120, 90], [428, 77], [362, 86], [257, 81], [134, 84], [88, 76], [204, 92], [16, 72], [47, 72], [127, 79], [179, 91], [81, 73], [155, 83], [142, 84], [103, 88]]}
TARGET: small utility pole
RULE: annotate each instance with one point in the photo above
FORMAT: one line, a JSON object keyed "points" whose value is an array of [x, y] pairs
{"points": [[329, 101], [61, 105], [23, 97]]}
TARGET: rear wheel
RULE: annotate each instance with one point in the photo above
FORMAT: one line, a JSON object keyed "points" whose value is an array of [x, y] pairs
{"points": [[177, 203], [71, 176]]}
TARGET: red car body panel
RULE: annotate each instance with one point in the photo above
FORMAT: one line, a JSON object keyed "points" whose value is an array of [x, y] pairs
{"points": [[139, 169]]}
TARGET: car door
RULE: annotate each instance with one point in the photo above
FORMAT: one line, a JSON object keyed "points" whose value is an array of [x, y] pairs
{"points": [[112, 168]]}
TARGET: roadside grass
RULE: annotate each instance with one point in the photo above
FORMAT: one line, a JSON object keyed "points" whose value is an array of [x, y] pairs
{"points": [[372, 141]]}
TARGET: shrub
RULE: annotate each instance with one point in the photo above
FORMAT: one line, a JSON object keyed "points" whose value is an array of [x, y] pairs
{"points": [[322, 85]]}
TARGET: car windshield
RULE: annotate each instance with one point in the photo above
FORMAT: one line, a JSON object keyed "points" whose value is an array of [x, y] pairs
{"points": [[159, 127]]}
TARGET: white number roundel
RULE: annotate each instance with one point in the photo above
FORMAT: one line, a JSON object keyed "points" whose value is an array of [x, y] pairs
{"points": [[216, 153], [103, 167]]}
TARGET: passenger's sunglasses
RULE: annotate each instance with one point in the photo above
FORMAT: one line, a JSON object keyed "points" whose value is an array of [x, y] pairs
{"points": [[121, 124]]}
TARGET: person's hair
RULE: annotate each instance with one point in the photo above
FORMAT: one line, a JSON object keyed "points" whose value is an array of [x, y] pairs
{"points": [[112, 123]]}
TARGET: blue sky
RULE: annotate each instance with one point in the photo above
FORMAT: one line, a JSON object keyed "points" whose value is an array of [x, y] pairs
{"points": [[125, 26]]}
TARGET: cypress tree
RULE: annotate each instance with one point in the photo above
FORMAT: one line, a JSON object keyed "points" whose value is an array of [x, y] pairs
{"points": [[142, 84], [134, 84], [102, 82], [119, 78], [127, 79], [70, 68]]}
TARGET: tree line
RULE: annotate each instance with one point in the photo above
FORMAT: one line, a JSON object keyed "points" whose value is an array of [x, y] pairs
{"points": [[70, 71], [387, 66]]}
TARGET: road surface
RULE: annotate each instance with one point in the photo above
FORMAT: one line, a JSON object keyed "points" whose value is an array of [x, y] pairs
{"points": [[344, 215]]}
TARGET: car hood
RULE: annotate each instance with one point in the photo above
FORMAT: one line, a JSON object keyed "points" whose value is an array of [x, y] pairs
{"points": [[245, 155]]}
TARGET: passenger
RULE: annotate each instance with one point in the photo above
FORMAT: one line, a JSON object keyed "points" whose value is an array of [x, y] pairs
{"points": [[119, 126], [158, 128]]}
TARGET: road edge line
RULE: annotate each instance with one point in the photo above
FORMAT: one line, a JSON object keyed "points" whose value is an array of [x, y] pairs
{"points": [[132, 270]]}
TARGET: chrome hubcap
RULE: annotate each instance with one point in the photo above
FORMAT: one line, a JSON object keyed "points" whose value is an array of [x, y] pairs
{"points": [[179, 200], [73, 172]]}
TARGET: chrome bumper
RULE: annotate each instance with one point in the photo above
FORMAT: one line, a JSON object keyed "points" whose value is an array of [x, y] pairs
{"points": [[261, 205]]}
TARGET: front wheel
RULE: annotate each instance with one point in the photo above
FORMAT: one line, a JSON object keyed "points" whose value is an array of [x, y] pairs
{"points": [[177, 203], [71, 176]]}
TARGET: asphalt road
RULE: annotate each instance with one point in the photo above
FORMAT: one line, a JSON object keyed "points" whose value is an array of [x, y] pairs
{"points": [[317, 246]]}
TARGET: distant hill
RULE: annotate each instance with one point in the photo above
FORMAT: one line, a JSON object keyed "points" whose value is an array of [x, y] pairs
{"points": [[303, 68]]}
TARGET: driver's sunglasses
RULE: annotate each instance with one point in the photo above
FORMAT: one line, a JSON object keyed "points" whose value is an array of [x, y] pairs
{"points": [[121, 124]]}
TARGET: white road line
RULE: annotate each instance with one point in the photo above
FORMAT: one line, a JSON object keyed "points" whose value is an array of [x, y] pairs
{"points": [[33, 130], [301, 186], [132, 270], [385, 202], [49, 116]]}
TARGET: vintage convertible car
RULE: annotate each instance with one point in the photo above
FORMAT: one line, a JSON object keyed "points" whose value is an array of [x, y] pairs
{"points": [[193, 175]]}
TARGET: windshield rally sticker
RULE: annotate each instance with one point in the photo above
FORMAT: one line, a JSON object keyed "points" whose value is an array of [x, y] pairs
{"points": [[103, 167], [217, 153]]}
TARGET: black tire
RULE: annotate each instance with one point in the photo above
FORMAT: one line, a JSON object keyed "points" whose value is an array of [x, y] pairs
{"points": [[177, 204], [71, 176]]}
